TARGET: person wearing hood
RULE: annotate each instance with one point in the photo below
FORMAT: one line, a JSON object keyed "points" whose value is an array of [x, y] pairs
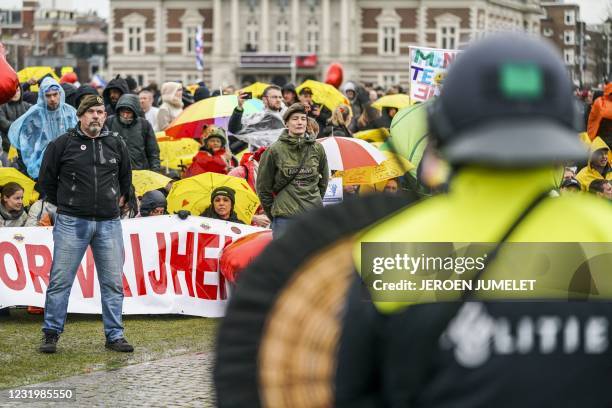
{"points": [[350, 91], [131, 125], [212, 157], [293, 172], [600, 109], [172, 104], [289, 94], [12, 212], [153, 203], [113, 91], [10, 112], [42, 123], [222, 203], [81, 92], [597, 167]]}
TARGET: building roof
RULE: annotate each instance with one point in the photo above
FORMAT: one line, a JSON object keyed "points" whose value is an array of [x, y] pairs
{"points": [[93, 35]]}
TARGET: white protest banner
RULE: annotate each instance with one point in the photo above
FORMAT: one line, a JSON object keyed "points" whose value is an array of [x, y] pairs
{"points": [[333, 194], [170, 266], [428, 68]]}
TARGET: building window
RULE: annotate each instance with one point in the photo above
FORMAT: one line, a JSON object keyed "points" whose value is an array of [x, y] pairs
{"points": [[252, 35], [389, 39], [569, 56], [570, 17], [135, 39], [448, 37], [312, 36], [568, 37], [190, 39], [282, 36], [548, 32]]}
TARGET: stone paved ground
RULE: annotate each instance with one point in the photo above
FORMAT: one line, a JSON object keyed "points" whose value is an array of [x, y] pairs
{"points": [[182, 381]]}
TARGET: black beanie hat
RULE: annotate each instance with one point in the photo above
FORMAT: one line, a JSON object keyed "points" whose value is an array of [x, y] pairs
{"points": [[224, 191]]}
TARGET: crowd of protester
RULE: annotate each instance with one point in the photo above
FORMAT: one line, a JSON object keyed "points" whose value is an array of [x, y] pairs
{"points": [[31, 120]]}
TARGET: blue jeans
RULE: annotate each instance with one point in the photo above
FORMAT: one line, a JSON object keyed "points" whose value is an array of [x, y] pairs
{"points": [[71, 237], [279, 225]]}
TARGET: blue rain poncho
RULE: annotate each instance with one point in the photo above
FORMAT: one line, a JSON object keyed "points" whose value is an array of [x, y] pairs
{"points": [[33, 131]]}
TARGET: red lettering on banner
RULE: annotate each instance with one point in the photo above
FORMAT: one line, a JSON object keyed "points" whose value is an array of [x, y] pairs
{"points": [[181, 262], [206, 265], [127, 292], [160, 285], [209, 265], [223, 296], [138, 268], [86, 278], [6, 248], [39, 272]]}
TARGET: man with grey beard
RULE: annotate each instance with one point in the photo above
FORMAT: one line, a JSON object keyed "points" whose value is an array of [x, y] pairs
{"points": [[86, 173]]}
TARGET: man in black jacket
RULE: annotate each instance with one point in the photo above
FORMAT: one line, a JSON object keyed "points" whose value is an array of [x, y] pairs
{"points": [[131, 125], [86, 173], [9, 112]]}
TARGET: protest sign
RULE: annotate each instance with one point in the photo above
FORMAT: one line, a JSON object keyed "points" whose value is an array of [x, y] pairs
{"points": [[333, 194], [428, 68], [170, 266]]}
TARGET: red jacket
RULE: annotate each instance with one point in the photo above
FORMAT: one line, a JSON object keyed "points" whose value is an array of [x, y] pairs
{"points": [[601, 109], [204, 162]]}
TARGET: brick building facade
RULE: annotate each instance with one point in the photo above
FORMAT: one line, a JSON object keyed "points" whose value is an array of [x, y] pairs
{"points": [[246, 40], [561, 25]]}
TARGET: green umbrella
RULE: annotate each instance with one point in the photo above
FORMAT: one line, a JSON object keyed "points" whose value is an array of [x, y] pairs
{"points": [[409, 133]]}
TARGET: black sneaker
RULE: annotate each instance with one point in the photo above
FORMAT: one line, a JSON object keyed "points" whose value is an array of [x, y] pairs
{"points": [[49, 342], [119, 345]]}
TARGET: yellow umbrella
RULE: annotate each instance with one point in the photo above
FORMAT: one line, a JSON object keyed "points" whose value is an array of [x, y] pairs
{"points": [[257, 89], [177, 153], [66, 69], [397, 101], [11, 174], [394, 166], [35, 72], [324, 94], [373, 135], [193, 194], [147, 180]]}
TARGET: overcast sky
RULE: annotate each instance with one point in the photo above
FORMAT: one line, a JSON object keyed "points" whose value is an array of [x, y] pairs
{"points": [[592, 11]]}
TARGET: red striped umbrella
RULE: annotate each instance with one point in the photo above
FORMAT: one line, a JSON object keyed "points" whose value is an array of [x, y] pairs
{"points": [[344, 153]]}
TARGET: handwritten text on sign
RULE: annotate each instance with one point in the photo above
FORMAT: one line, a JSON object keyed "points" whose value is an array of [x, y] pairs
{"points": [[170, 266], [428, 68]]}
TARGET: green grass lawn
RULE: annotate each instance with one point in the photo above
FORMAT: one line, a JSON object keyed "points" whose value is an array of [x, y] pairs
{"points": [[81, 346]]}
